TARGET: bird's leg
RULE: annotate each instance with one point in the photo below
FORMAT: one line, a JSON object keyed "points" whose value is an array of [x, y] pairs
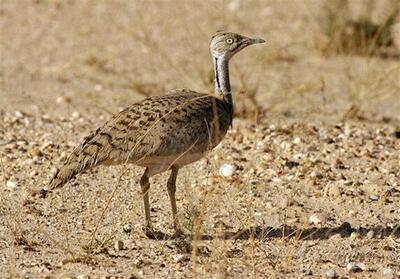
{"points": [[145, 186], [171, 185]]}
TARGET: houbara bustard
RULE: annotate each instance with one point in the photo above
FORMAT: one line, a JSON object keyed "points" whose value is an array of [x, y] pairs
{"points": [[164, 132]]}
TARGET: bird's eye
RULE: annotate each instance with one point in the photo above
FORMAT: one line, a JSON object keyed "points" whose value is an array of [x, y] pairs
{"points": [[229, 41]]}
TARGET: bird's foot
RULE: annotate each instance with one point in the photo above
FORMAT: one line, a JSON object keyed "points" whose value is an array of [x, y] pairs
{"points": [[178, 233], [153, 234]]}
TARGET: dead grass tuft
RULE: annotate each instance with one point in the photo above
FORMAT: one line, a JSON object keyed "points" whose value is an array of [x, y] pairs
{"points": [[353, 28]]}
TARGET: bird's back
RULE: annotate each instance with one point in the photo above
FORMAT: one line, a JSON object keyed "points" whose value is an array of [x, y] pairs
{"points": [[176, 128]]}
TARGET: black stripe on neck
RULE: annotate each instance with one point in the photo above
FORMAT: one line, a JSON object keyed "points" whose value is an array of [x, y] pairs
{"points": [[216, 73]]}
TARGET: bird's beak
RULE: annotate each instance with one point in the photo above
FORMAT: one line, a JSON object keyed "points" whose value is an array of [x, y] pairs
{"points": [[250, 41], [255, 41]]}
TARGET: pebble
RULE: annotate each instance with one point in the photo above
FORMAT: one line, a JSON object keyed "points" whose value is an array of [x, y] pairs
{"points": [[11, 184], [36, 152], [388, 273], [234, 5], [98, 87], [18, 114], [119, 245], [373, 198], [276, 180], [63, 100], [331, 274], [227, 170], [127, 228], [297, 140], [356, 267], [318, 218], [351, 212], [21, 143], [370, 234], [181, 258], [29, 162], [75, 115], [53, 171], [63, 155]]}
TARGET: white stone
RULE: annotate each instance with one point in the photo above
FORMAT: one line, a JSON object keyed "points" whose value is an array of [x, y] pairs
{"points": [[53, 171], [19, 114], [331, 274], [297, 140], [98, 87], [388, 273], [234, 5], [127, 228], [356, 267], [276, 180], [11, 184], [180, 258], [258, 214], [318, 218], [45, 117], [63, 100], [63, 155], [227, 170], [75, 115], [373, 197], [118, 245]]}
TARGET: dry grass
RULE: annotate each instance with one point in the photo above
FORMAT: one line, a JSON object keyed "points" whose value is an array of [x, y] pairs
{"points": [[363, 28]]}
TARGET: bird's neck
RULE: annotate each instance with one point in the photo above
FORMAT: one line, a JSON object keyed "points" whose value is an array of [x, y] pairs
{"points": [[222, 84]]}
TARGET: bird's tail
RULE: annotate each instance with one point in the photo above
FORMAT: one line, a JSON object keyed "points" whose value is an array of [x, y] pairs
{"points": [[87, 155], [65, 173]]}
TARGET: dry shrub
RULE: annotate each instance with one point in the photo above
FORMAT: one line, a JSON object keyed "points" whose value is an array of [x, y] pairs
{"points": [[363, 27]]}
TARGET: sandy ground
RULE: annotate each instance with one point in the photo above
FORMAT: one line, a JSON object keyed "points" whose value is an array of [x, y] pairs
{"points": [[315, 146]]}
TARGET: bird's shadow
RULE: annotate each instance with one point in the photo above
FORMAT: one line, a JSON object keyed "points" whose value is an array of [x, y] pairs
{"points": [[313, 233]]}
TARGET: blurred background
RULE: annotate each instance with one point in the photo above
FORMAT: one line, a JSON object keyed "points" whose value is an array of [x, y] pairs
{"points": [[330, 60]]}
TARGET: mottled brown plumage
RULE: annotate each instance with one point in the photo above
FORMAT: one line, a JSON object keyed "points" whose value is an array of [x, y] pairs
{"points": [[164, 132], [157, 133]]}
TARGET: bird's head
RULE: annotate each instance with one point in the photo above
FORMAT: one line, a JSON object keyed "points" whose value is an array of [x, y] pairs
{"points": [[227, 44]]}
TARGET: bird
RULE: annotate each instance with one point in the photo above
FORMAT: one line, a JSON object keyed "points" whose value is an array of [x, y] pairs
{"points": [[162, 133]]}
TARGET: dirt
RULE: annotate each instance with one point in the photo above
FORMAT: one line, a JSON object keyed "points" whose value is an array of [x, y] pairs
{"points": [[315, 145]]}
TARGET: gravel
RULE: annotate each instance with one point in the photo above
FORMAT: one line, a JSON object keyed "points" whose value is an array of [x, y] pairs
{"points": [[275, 192], [353, 267], [331, 274]]}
